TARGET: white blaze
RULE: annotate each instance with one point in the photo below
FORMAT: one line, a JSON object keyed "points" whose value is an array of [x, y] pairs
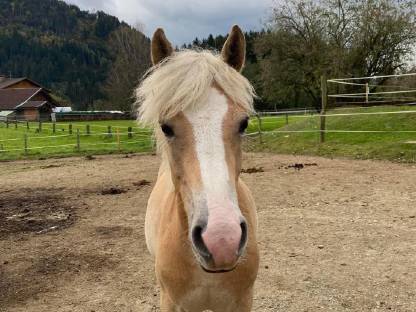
{"points": [[207, 123]]}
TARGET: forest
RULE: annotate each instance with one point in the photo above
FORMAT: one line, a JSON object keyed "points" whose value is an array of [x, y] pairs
{"points": [[304, 40], [76, 54], [94, 61]]}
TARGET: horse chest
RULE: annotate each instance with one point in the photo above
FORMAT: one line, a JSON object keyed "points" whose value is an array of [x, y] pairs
{"points": [[206, 296], [198, 292]]}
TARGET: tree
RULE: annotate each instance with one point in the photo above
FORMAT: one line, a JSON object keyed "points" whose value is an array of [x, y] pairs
{"points": [[196, 42], [61, 47], [105, 24], [132, 59], [332, 37], [211, 41], [384, 36]]}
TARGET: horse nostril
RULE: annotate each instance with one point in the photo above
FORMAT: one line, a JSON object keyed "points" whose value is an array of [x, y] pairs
{"points": [[199, 242], [243, 240]]}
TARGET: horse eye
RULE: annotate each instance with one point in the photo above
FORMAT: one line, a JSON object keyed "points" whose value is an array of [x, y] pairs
{"points": [[243, 126], [167, 130]]}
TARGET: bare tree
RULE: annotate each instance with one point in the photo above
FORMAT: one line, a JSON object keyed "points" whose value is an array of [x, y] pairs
{"points": [[334, 37], [384, 36], [131, 50], [140, 26]]}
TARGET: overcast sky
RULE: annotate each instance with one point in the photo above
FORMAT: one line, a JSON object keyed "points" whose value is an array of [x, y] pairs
{"points": [[183, 20]]}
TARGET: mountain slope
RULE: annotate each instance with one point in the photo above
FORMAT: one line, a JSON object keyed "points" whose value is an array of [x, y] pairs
{"points": [[67, 50]]}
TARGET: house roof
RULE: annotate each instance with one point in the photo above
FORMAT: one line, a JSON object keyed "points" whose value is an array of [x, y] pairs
{"points": [[33, 104], [10, 99], [7, 82], [6, 113]]}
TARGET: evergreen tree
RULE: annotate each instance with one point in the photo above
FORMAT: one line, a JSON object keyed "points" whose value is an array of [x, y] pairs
{"points": [[65, 49]]}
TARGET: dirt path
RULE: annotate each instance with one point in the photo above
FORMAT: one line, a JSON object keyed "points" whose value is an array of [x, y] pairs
{"points": [[337, 235]]}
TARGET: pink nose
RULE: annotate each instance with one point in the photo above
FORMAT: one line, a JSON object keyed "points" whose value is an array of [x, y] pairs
{"points": [[223, 241]]}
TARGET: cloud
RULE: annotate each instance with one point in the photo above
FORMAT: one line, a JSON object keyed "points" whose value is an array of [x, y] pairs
{"points": [[183, 20]]}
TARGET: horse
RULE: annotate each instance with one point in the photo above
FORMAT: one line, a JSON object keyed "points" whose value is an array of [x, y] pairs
{"points": [[201, 219]]}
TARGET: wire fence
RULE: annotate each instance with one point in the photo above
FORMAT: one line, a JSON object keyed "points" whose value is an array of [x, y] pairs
{"points": [[79, 138], [72, 138], [365, 92], [391, 125], [400, 88]]}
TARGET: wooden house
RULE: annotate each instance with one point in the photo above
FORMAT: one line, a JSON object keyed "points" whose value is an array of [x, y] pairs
{"points": [[24, 99]]}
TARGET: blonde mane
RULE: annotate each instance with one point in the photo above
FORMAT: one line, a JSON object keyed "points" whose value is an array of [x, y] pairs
{"points": [[182, 82]]}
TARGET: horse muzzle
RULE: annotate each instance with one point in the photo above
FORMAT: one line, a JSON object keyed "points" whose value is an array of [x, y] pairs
{"points": [[219, 243]]}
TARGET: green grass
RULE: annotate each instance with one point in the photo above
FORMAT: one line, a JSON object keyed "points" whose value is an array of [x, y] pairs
{"points": [[389, 146], [45, 143], [269, 123], [62, 143]]}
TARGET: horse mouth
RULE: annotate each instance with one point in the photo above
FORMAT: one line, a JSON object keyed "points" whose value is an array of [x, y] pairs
{"points": [[217, 271], [207, 265]]}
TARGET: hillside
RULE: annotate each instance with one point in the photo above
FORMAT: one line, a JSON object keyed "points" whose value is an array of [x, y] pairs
{"points": [[70, 51]]}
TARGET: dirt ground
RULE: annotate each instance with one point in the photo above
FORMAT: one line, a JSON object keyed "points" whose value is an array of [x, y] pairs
{"points": [[335, 235]]}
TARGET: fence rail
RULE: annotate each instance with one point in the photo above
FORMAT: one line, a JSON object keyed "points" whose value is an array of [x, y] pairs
{"points": [[87, 135], [79, 137], [264, 123], [371, 94]]}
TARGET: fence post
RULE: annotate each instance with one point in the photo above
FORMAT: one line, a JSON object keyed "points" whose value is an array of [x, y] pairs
{"points": [[70, 128], [26, 143], [324, 90], [129, 130], [40, 126], [7, 122], [367, 92], [287, 118], [78, 141], [118, 140], [15, 123], [109, 131], [259, 127], [54, 127], [27, 125], [88, 129], [153, 143]]}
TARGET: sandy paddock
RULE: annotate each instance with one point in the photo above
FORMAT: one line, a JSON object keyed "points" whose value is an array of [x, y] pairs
{"points": [[335, 235]]}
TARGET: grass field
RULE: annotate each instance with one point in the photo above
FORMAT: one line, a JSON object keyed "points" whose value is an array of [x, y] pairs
{"points": [[46, 143], [384, 145]]}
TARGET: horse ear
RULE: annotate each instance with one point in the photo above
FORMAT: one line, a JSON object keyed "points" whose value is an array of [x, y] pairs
{"points": [[161, 47], [234, 50]]}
